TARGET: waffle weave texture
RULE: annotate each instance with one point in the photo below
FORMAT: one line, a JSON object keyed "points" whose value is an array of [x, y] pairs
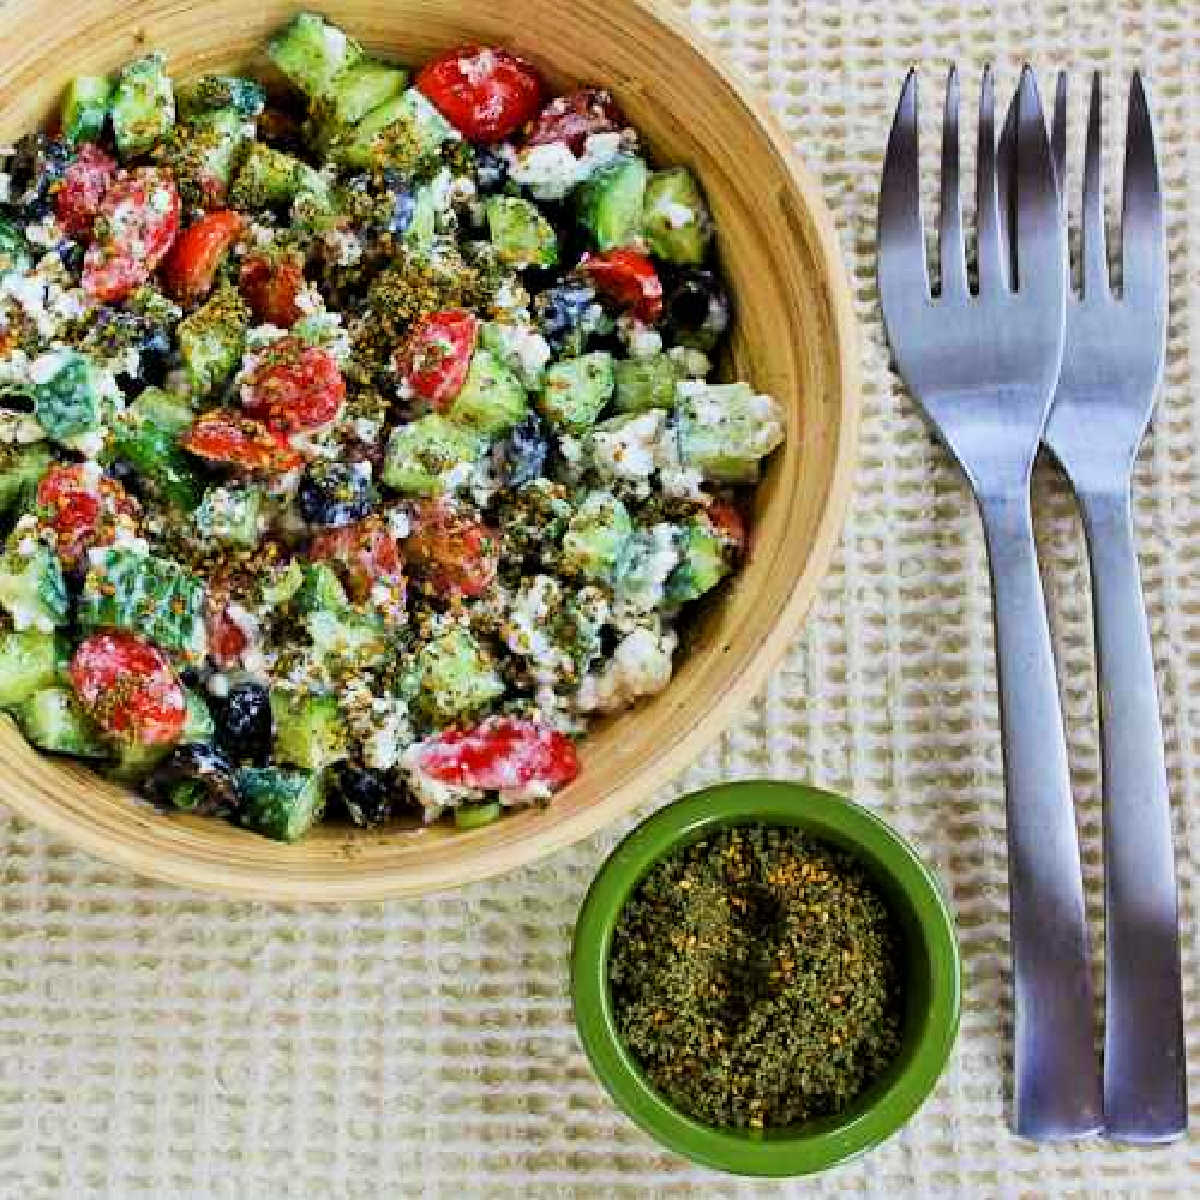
{"points": [[159, 1043]]}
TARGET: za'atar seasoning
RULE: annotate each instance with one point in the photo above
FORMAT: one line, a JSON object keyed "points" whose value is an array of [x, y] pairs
{"points": [[755, 978]]}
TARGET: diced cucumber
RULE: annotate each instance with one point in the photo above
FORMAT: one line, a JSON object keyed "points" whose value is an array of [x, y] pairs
{"points": [[598, 538], [202, 154], [355, 639], [421, 453], [28, 663], [52, 720], [676, 220], [643, 383], [520, 347], [67, 404], [309, 730], [422, 225], [85, 107], [280, 804], [724, 429], [146, 436], [611, 202], [492, 399], [211, 93], [575, 390], [320, 590], [211, 339], [310, 52], [268, 177], [455, 676], [143, 105], [155, 597], [521, 235], [475, 816], [168, 412], [32, 589], [21, 468], [352, 93], [279, 589], [198, 723], [14, 249], [403, 134], [230, 515], [703, 563]]}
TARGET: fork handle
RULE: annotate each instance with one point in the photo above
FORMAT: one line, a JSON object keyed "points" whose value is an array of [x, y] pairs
{"points": [[1145, 1090], [1056, 1080]]}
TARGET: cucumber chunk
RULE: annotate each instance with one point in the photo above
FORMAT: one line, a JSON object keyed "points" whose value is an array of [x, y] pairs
{"points": [[52, 720], [198, 723], [310, 52], [422, 225], [598, 538], [211, 340], [643, 383], [85, 107], [575, 390], [21, 468], [423, 455], [492, 399], [611, 202], [230, 515], [521, 235], [703, 563], [28, 663], [67, 403], [32, 588], [455, 676], [143, 105], [676, 221], [146, 437], [404, 133], [202, 153], [15, 254], [475, 816], [280, 804], [309, 729], [268, 177], [211, 93], [352, 93], [320, 590], [520, 347], [358, 640], [724, 429]]}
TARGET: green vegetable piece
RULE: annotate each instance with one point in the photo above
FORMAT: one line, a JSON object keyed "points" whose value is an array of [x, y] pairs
{"points": [[611, 202], [309, 730], [521, 235], [598, 538], [492, 399], [520, 347], [724, 429], [68, 403], [211, 93], [420, 454], [32, 589], [280, 589], [356, 639], [353, 92], [202, 153], [28, 663], [320, 590], [198, 723], [280, 804], [52, 720], [271, 178], [405, 133], [230, 515], [575, 390], [154, 597], [643, 383], [211, 340], [475, 816], [21, 468], [703, 563], [455, 676], [676, 221], [422, 226], [85, 107], [311, 52], [14, 249], [143, 105], [146, 436]]}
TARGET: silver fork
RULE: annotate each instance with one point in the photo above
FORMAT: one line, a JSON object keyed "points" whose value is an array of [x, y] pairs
{"points": [[1111, 369], [984, 368]]}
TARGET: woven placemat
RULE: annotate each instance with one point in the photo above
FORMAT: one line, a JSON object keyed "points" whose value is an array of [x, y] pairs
{"points": [[159, 1043]]}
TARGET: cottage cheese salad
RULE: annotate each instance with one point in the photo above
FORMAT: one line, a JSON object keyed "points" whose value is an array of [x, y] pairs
{"points": [[357, 442]]}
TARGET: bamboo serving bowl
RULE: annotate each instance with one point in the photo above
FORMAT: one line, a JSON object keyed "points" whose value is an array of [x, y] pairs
{"points": [[793, 337]]}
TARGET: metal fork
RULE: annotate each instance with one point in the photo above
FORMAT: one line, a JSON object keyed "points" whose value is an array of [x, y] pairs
{"points": [[1112, 365], [984, 368]]}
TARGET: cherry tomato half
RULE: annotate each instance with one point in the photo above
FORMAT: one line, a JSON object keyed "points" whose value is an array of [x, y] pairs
{"points": [[727, 520], [80, 509], [294, 387], [454, 553], [570, 119], [629, 277], [134, 229], [437, 354], [190, 267], [500, 753], [79, 195], [484, 92], [229, 437], [366, 554], [271, 288], [226, 639], [128, 687]]}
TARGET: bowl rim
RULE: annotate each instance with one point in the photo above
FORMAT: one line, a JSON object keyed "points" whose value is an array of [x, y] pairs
{"points": [[829, 1141], [181, 866]]}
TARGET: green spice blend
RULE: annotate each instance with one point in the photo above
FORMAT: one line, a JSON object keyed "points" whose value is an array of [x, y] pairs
{"points": [[755, 978]]}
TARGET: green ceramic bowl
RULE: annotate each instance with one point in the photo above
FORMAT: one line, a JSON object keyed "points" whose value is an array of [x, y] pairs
{"points": [[932, 974]]}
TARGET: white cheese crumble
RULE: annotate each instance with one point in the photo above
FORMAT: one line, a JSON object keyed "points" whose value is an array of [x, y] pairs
{"points": [[640, 666], [625, 448], [524, 351], [692, 363]]}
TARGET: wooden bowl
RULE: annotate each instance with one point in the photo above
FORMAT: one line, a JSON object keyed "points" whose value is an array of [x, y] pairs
{"points": [[793, 337]]}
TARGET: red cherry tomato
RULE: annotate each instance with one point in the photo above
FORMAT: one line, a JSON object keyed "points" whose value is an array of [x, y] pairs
{"points": [[136, 224], [629, 277], [455, 553], [82, 189], [500, 753], [271, 288], [239, 441], [190, 267], [226, 639], [437, 354], [366, 554], [81, 510], [128, 687], [727, 520], [294, 387], [484, 92], [570, 119]]}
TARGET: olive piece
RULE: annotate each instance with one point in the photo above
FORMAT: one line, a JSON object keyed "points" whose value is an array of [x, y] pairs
{"points": [[561, 313], [195, 778], [362, 793], [491, 171], [334, 493], [521, 456], [37, 164], [696, 312], [245, 727]]}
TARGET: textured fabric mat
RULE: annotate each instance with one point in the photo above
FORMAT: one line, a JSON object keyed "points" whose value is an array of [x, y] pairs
{"points": [[159, 1043]]}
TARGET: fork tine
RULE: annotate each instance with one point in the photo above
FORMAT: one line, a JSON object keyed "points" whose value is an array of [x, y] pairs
{"points": [[1095, 252], [1006, 168], [951, 249], [1143, 238], [987, 216], [901, 254], [1040, 238]]}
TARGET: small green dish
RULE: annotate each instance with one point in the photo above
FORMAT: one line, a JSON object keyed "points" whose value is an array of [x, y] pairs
{"points": [[932, 978]]}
